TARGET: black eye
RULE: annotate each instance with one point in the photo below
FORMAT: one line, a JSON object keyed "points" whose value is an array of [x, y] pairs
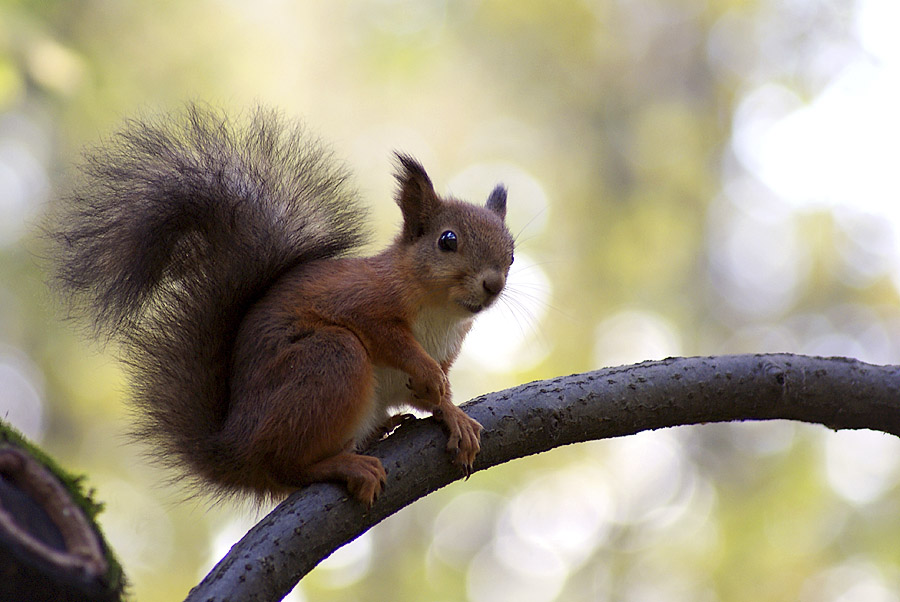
{"points": [[447, 241], [512, 258]]}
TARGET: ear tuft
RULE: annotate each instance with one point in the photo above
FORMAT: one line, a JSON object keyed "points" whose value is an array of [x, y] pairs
{"points": [[497, 201], [416, 197], [408, 169]]}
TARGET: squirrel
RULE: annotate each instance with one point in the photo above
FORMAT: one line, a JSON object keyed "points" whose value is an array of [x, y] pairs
{"points": [[263, 353]]}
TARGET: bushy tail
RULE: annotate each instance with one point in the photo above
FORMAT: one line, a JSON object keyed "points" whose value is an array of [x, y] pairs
{"points": [[177, 226]]}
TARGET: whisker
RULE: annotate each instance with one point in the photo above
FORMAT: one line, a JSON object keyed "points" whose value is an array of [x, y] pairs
{"points": [[525, 319], [528, 223], [524, 289], [536, 264]]}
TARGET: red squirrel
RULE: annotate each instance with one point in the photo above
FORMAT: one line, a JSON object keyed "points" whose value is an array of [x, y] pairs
{"points": [[264, 355]]}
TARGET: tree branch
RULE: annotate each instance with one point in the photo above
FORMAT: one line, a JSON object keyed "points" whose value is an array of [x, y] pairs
{"points": [[836, 392]]}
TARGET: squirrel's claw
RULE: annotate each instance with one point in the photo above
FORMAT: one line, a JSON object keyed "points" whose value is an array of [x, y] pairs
{"points": [[365, 476], [383, 430], [463, 442]]}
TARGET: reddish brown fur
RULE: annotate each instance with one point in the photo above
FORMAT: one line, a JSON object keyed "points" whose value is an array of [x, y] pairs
{"points": [[262, 357], [302, 375]]}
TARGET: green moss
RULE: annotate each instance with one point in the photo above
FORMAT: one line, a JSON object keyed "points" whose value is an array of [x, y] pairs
{"points": [[75, 485]]}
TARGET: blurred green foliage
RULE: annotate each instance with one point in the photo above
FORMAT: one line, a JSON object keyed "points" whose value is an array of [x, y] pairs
{"points": [[638, 139]]}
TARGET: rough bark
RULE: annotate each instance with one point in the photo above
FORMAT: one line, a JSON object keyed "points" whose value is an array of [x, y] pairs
{"points": [[836, 392]]}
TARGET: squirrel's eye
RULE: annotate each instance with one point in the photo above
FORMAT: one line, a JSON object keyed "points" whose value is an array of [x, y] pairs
{"points": [[447, 241]]}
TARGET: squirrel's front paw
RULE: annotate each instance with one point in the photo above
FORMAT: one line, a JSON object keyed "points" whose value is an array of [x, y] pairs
{"points": [[464, 441], [431, 391]]}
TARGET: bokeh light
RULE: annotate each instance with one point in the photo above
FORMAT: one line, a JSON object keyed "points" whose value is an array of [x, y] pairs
{"points": [[685, 178]]}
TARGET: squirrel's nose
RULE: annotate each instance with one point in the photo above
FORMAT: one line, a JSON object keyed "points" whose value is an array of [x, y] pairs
{"points": [[493, 283]]}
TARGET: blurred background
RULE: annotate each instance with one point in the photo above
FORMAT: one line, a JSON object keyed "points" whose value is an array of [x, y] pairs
{"points": [[686, 177]]}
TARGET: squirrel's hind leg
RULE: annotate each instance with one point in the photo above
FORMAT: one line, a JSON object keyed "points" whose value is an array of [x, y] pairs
{"points": [[313, 397], [364, 475]]}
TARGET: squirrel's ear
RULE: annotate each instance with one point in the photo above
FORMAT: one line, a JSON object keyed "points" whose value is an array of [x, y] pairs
{"points": [[497, 201], [416, 197]]}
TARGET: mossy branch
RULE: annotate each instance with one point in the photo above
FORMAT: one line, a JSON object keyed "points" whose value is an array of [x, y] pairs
{"points": [[50, 545]]}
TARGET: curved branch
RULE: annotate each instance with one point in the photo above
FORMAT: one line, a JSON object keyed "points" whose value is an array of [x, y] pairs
{"points": [[836, 392]]}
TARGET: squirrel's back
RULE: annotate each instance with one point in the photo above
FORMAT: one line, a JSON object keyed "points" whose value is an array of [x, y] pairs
{"points": [[177, 226]]}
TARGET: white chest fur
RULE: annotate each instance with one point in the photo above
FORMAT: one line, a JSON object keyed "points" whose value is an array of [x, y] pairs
{"points": [[441, 335]]}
